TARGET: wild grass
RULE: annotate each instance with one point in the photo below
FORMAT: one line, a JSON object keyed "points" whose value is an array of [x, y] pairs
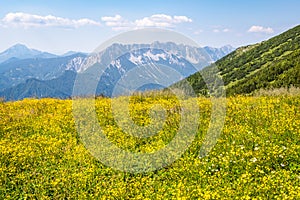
{"points": [[257, 155]]}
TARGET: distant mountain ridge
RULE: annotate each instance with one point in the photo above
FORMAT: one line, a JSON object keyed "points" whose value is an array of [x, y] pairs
{"points": [[21, 78], [70, 53], [20, 51], [150, 64], [60, 87], [218, 53], [18, 71]]}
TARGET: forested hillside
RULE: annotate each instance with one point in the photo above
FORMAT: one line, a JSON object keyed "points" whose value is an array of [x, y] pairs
{"points": [[270, 64]]}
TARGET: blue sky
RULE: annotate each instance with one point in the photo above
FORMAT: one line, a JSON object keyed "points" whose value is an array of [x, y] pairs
{"points": [[59, 26]]}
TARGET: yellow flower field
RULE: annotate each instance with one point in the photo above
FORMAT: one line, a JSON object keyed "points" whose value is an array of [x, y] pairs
{"points": [[257, 155]]}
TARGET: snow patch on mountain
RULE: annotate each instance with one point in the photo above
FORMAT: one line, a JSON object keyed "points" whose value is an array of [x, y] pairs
{"points": [[89, 61], [155, 57], [117, 63], [75, 64], [137, 60]]}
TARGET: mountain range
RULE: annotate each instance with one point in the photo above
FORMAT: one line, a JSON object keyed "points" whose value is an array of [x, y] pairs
{"points": [[32, 73], [123, 68], [20, 51]]}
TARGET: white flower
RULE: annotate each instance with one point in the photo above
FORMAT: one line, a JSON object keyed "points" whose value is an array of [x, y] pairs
{"points": [[283, 147], [253, 159]]}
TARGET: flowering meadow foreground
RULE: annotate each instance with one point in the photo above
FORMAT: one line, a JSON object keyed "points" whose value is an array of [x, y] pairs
{"points": [[257, 155]]}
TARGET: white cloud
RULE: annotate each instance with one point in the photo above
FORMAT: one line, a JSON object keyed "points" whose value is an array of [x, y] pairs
{"points": [[115, 18], [161, 20], [226, 30], [260, 29], [29, 20], [157, 20], [181, 19], [117, 22]]}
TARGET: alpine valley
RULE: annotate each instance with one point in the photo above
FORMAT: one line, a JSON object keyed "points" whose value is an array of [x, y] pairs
{"points": [[274, 63], [27, 72]]}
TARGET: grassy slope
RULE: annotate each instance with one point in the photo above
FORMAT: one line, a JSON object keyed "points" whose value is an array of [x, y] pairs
{"points": [[257, 154], [271, 64]]}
